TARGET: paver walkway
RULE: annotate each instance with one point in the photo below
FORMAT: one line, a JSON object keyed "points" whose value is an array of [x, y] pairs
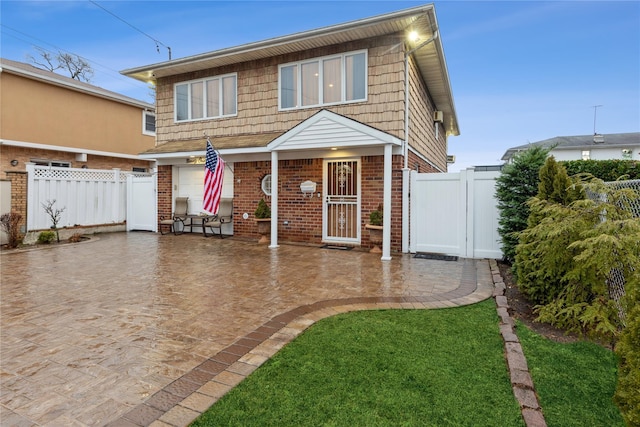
{"points": [[141, 329]]}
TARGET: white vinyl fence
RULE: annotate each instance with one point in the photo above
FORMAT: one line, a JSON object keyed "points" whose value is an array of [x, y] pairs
{"points": [[88, 196], [455, 214]]}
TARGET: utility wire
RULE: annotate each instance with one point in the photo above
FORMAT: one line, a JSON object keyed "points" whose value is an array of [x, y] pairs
{"points": [[156, 41], [116, 73]]}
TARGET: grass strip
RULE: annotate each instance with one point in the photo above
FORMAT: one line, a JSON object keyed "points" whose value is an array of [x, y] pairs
{"points": [[381, 368], [575, 382]]}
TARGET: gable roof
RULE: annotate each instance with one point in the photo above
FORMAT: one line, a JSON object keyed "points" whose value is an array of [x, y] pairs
{"points": [[611, 140], [326, 129], [429, 58], [29, 71]]}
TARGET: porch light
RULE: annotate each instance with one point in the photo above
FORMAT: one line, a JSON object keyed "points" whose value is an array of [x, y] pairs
{"points": [[413, 36]]}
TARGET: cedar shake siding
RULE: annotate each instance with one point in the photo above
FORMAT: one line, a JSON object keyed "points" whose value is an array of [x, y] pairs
{"points": [[258, 95]]}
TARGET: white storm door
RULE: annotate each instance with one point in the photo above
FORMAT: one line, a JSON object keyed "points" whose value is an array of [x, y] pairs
{"points": [[341, 207]]}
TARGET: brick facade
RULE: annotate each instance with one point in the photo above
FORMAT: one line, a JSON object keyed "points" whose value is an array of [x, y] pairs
{"points": [[304, 214]]}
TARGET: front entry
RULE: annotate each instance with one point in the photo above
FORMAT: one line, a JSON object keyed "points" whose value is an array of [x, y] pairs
{"points": [[341, 207]]}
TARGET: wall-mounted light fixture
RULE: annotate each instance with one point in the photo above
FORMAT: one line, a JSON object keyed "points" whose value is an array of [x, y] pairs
{"points": [[14, 162], [308, 188]]}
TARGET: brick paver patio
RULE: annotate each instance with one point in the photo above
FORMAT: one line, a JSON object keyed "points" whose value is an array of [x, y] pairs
{"points": [[141, 329]]}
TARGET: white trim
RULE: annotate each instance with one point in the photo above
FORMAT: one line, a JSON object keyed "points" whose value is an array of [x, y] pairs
{"points": [[274, 200], [204, 81], [144, 122], [325, 184], [375, 137], [386, 221], [69, 149], [320, 61]]}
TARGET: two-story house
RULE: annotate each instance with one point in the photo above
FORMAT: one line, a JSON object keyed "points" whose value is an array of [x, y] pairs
{"points": [[347, 109], [52, 120]]}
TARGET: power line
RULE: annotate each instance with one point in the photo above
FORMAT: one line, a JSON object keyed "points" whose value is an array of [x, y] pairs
{"points": [[40, 45], [156, 41]]}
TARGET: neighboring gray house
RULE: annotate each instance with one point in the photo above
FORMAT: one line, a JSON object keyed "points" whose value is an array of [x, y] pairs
{"points": [[611, 146]]}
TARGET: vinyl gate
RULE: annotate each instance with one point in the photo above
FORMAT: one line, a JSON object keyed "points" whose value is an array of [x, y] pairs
{"points": [[90, 197], [141, 203], [455, 214]]}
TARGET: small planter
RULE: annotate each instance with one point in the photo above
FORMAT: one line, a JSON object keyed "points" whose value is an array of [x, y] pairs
{"points": [[375, 237], [264, 229]]}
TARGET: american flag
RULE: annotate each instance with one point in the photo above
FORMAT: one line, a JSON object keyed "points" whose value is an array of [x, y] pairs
{"points": [[213, 175]]}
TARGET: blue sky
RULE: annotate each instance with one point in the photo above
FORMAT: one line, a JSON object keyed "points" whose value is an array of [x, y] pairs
{"points": [[521, 71]]}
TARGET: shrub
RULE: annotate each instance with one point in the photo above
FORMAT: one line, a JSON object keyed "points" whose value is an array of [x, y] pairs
{"points": [[606, 170], [627, 395], [263, 210], [376, 217], [567, 259], [46, 237], [517, 183], [10, 223], [542, 258]]}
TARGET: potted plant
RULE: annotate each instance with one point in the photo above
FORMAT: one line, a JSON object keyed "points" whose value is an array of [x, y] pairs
{"points": [[263, 221], [375, 229]]}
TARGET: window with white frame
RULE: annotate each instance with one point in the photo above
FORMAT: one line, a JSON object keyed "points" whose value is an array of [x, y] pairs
{"points": [[209, 98], [265, 185], [331, 79], [148, 123], [586, 154]]}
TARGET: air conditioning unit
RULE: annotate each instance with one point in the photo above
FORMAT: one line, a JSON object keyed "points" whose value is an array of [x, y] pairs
{"points": [[451, 158], [438, 116]]}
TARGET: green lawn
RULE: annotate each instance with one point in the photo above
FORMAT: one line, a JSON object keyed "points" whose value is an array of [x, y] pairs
{"points": [[418, 368], [575, 382], [381, 368]]}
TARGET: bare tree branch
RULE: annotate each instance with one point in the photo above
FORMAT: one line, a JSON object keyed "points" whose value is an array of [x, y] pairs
{"points": [[77, 67]]}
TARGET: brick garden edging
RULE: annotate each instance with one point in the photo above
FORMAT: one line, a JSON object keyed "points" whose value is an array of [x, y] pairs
{"points": [[521, 382]]}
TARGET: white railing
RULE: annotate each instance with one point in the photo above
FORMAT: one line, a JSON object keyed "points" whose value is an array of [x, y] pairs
{"points": [[88, 196]]}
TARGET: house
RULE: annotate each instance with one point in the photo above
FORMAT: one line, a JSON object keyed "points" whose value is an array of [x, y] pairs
{"points": [[52, 120], [324, 124], [613, 146]]}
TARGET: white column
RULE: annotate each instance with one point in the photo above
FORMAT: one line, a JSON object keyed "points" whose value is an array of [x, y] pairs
{"points": [[386, 225], [274, 199]]}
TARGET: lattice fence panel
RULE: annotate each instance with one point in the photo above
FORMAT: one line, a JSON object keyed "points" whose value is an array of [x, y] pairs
{"points": [[88, 196]]}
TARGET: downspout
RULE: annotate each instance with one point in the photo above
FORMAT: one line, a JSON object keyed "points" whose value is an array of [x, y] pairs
{"points": [[405, 150]]}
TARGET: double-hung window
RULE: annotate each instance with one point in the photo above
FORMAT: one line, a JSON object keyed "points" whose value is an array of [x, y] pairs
{"points": [[206, 99], [331, 79]]}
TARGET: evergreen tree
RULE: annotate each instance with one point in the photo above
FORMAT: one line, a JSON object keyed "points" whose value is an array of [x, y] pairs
{"points": [[542, 255], [517, 184]]}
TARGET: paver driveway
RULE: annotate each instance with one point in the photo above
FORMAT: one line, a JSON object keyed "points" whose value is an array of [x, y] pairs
{"points": [[111, 330]]}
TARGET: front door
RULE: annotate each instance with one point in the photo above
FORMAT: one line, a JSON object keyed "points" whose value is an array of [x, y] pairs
{"points": [[341, 209]]}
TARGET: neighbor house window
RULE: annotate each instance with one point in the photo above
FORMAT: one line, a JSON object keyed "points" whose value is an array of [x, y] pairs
{"points": [[206, 99], [148, 123], [52, 163], [586, 154], [320, 81]]}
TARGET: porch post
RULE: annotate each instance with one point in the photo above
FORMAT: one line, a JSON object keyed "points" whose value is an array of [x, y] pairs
{"points": [[274, 199], [386, 224]]}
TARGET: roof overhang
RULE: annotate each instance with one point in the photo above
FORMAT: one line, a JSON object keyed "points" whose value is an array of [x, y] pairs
{"points": [[33, 73], [422, 19]]}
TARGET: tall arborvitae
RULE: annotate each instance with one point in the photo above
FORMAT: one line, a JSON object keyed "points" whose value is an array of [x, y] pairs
{"points": [[517, 184]]}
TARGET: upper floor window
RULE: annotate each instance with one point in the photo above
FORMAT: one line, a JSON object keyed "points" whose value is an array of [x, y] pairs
{"points": [[148, 123], [206, 99], [320, 81]]}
